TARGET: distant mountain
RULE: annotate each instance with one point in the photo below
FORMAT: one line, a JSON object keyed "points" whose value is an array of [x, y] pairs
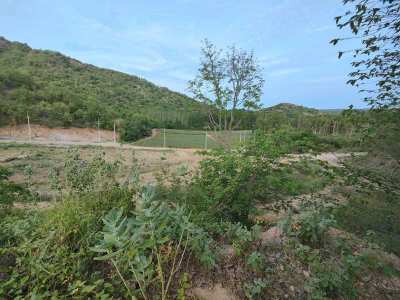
{"points": [[57, 90], [290, 109]]}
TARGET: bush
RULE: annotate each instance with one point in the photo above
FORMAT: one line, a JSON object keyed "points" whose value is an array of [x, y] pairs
{"points": [[225, 188], [52, 248], [11, 192], [149, 247], [309, 227], [135, 128], [285, 141]]}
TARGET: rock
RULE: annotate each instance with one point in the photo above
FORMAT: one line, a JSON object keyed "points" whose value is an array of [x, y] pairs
{"points": [[272, 236], [216, 293], [270, 218], [228, 250], [12, 158]]}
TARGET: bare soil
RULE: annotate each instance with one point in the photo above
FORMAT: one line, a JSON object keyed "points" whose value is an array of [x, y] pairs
{"points": [[57, 134]]}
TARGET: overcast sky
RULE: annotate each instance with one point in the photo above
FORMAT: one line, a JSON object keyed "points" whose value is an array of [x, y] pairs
{"points": [[160, 40]]}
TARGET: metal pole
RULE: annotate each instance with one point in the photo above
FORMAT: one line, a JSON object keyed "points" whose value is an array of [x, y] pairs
{"points": [[29, 128], [240, 136], [164, 139]]}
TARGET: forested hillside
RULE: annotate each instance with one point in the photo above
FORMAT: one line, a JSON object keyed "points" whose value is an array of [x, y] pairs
{"points": [[57, 90]]}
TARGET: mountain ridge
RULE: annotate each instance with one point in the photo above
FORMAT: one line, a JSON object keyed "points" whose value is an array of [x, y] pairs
{"points": [[44, 82]]}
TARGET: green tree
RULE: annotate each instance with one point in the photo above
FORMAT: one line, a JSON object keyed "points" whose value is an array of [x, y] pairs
{"points": [[376, 23], [227, 81]]}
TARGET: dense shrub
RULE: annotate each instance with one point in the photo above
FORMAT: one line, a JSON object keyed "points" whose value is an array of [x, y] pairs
{"points": [[135, 129], [11, 192], [286, 141]]}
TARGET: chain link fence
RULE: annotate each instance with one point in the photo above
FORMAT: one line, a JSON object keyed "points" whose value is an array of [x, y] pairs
{"points": [[198, 139]]}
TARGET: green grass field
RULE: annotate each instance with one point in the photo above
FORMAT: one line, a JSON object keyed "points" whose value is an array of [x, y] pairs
{"points": [[194, 139]]}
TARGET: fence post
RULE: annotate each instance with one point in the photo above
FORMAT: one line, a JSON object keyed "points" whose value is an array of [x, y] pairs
{"points": [[98, 130], [164, 144], [205, 141], [115, 137], [29, 128]]}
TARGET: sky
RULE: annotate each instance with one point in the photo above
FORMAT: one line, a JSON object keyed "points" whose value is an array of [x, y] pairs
{"points": [[160, 40]]}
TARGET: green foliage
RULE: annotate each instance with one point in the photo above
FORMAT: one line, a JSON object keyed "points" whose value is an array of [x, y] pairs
{"points": [[156, 236], [256, 261], [86, 176], [230, 183], [285, 141], [227, 81], [11, 192], [309, 227], [376, 71], [224, 188], [51, 248], [135, 128], [241, 237], [183, 286], [255, 289], [332, 280]]}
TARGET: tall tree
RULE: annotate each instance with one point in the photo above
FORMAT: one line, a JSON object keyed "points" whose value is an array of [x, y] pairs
{"points": [[376, 23], [227, 81]]}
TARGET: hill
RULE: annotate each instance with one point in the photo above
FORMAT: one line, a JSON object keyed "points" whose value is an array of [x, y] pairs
{"points": [[291, 109], [58, 90]]}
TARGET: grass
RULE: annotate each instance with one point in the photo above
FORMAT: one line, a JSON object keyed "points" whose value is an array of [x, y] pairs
{"points": [[194, 139]]}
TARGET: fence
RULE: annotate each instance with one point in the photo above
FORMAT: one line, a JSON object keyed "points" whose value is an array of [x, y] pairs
{"points": [[194, 138]]}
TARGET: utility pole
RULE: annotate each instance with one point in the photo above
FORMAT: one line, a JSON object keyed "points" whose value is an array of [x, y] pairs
{"points": [[29, 128], [98, 130], [115, 137], [205, 141], [164, 139]]}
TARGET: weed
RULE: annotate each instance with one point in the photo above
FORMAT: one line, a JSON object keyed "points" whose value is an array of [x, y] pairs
{"points": [[254, 290]]}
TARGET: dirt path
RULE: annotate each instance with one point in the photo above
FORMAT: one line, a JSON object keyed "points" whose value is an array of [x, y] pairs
{"points": [[332, 158], [81, 143]]}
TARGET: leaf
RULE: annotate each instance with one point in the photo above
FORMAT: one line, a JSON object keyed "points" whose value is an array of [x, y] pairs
{"points": [[109, 256], [334, 41]]}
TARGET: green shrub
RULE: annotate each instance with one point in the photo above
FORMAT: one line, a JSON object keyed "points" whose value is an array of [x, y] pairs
{"points": [[332, 280], [11, 192], [149, 247], [230, 183], [255, 261], [309, 227], [255, 289], [52, 247], [135, 128], [285, 141]]}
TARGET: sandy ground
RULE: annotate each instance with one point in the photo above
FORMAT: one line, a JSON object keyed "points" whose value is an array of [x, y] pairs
{"points": [[43, 156], [43, 133]]}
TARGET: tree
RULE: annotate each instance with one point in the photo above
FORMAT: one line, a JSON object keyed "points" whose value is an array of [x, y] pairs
{"points": [[227, 81], [376, 23]]}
